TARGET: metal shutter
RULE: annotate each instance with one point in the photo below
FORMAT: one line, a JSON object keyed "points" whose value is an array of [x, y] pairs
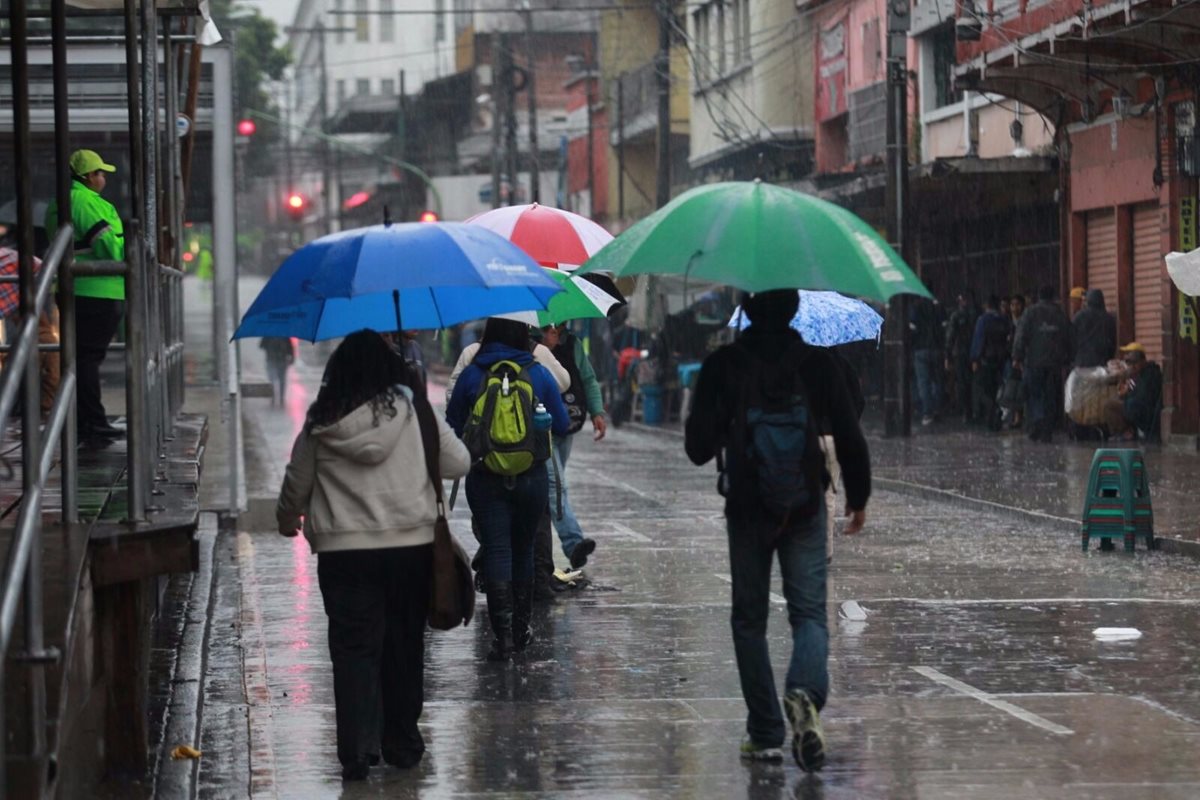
{"points": [[1147, 279], [1102, 255]]}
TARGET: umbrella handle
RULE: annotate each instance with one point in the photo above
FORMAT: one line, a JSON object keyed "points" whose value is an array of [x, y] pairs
{"points": [[396, 304], [453, 493]]}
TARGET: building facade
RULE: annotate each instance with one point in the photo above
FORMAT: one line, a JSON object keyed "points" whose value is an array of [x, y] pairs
{"points": [[1116, 80]]}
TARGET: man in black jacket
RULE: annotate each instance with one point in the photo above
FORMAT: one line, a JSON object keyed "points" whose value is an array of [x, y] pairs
{"points": [[1042, 348], [719, 411], [1094, 331]]}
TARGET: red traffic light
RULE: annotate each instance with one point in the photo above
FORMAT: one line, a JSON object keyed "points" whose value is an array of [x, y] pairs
{"points": [[428, 216], [246, 127], [295, 204]]}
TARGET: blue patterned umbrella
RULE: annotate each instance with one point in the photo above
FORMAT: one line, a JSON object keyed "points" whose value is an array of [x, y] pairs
{"points": [[828, 318]]}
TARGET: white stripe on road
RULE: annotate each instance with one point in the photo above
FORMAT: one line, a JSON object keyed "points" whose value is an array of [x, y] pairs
{"points": [[984, 697], [626, 532], [1018, 601], [600, 476], [778, 600]]}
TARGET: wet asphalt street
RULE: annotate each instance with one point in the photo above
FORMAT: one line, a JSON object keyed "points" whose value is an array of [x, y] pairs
{"points": [[976, 673]]}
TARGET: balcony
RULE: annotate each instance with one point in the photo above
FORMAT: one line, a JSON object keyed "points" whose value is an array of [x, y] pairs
{"points": [[638, 90]]}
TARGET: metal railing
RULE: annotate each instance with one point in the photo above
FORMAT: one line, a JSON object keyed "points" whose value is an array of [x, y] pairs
{"points": [[153, 351]]}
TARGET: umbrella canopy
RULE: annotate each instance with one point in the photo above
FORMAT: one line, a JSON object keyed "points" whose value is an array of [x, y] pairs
{"points": [[553, 237], [580, 299], [826, 319], [756, 236], [412, 275]]}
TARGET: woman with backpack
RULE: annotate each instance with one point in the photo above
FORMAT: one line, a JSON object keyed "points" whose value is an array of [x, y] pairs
{"points": [[358, 485], [492, 407]]}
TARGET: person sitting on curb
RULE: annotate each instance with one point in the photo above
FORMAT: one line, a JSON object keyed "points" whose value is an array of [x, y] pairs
{"points": [[1134, 414]]}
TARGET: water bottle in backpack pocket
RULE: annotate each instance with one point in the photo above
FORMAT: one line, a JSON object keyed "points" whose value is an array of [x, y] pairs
{"points": [[501, 431]]}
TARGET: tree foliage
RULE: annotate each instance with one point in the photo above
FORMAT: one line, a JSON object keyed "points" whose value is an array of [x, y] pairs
{"points": [[257, 61]]}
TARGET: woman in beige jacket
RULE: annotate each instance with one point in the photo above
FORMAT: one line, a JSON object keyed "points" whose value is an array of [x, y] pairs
{"points": [[357, 486]]}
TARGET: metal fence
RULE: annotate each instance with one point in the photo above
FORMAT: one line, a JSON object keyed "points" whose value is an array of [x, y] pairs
{"points": [[154, 370]]}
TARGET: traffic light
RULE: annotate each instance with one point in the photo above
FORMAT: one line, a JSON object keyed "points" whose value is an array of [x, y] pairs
{"points": [[246, 127], [295, 204], [428, 216]]}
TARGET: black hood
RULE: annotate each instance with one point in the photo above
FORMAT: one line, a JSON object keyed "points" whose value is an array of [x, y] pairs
{"points": [[1095, 299]]}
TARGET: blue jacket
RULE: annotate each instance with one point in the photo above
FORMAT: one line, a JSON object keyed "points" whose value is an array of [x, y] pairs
{"points": [[472, 378]]}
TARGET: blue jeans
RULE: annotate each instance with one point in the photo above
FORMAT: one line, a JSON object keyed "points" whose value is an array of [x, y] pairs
{"points": [[507, 510], [569, 532], [802, 561], [926, 367]]}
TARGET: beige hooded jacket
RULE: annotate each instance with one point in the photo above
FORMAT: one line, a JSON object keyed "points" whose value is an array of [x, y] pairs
{"points": [[361, 484]]}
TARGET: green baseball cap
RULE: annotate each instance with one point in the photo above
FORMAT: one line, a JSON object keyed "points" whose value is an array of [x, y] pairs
{"points": [[85, 162]]}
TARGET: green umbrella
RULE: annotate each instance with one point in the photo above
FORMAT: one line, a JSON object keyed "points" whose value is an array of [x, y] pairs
{"points": [[580, 299], [756, 236]]}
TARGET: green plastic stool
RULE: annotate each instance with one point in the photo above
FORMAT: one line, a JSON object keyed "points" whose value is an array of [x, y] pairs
{"points": [[1117, 505]]}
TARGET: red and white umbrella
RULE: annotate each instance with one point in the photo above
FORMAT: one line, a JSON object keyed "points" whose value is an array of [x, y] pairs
{"points": [[551, 236]]}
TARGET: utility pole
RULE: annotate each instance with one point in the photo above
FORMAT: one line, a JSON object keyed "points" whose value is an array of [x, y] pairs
{"points": [[326, 195], [621, 146], [320, 31], [535, 189], [511, 151], [591, 144], [897, 394], [497, 116], [663, 78]]}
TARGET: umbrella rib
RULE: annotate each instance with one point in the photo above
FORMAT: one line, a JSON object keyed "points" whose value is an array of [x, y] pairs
{"points": [[320, 315], [436, 309]]}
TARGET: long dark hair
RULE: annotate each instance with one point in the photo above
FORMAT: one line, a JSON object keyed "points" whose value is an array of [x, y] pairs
{"points": [[507, 332], [363, 369]]}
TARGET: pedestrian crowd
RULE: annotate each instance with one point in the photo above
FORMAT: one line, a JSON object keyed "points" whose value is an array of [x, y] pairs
{"points": [[1033, 368], [777, 415]]}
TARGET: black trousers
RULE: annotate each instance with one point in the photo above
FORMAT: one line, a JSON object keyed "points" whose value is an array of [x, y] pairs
{"points": [[96, 322], [377, 602]]}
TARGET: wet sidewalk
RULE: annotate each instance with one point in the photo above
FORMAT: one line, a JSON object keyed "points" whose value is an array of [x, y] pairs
{"points": [[1006, 472], [975, 674]]}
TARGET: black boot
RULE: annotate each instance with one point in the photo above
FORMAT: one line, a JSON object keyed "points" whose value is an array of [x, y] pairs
{"points": [[522, 610], [500, 614]]}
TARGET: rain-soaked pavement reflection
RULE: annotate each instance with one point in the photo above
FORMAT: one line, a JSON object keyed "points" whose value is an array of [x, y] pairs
{"points": [[975, 674]]}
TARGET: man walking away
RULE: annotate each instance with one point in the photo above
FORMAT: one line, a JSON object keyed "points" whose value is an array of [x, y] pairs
{"points": [[925, 322], [1042, 349], [1094, 331], [989, 354], [583, 400], [99, 301], [756, 409], [958, 352], [280, 352]]}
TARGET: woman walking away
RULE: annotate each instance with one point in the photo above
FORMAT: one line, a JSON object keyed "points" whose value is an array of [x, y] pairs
{"points": [[357, 483], [281, 354], [507, 488]]}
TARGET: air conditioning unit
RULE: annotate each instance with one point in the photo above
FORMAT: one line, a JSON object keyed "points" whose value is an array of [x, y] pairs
{"points": [[968, 27]]}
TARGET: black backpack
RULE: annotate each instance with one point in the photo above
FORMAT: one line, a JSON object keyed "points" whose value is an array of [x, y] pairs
{"points": [[995, 340], [773, 459], [573, 398]]}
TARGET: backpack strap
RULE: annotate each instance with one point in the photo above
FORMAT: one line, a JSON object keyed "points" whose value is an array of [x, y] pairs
{"points": [[432, 445]]}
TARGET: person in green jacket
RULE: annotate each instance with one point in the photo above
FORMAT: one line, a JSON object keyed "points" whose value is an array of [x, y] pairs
{"points": [[99, 301], [583, 400]]}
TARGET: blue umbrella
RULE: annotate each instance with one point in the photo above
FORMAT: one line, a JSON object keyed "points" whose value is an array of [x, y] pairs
{"points": [[411, 275], [828, 318]]}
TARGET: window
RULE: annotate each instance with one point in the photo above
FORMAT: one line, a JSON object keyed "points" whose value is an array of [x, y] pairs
{"points": [[702, 50], [722, 41], [387, 87], [362, 87], [872, 49], [387, 24], [340, 91], [362, 23], [944, 60], [439, 20], [339, 20], [739, 32]]}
